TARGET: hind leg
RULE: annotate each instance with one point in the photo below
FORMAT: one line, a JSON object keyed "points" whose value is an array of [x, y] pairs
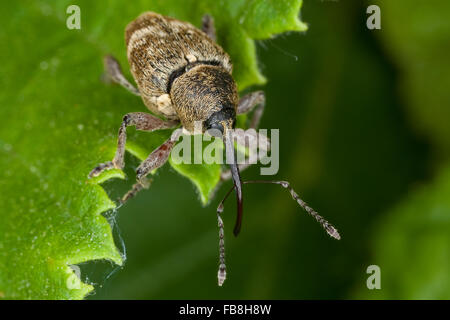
{"points": [[114, 72]]}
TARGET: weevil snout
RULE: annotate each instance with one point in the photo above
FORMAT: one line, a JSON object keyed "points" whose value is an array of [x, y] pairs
{"points": [[235, 174]]}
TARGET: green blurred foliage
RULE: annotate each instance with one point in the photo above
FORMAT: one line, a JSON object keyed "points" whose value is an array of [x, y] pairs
{"points": [[411, 241], [416, 36], [412, 245]]}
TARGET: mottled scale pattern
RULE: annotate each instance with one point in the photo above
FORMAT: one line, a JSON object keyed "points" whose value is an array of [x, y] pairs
{"points": [[157, 46]]}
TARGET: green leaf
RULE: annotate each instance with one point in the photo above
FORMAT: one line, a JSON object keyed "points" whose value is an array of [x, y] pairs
{"points": [[418, 43], [59, 120], [412, 245], [257, 17], [204, 176]]}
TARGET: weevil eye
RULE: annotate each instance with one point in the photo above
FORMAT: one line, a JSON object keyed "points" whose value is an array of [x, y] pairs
{"points": [[214, 124]]}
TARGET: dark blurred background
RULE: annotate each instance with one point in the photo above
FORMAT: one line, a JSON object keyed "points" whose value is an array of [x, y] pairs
{"points": [[352, 148]]}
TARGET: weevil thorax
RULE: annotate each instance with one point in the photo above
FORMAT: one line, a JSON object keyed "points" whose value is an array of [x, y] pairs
{"points": [[208, 94]]}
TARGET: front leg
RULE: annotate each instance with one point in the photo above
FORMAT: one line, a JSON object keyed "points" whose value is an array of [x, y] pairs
{"points": [[254, 100], [142, 121], [155, 160]]}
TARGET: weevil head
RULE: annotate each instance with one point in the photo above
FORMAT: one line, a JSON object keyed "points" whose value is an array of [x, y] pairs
{"points": [[220, 121], [205, 97]]}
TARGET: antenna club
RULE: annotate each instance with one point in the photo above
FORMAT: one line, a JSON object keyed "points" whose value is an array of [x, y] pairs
{"points": [[332, 231], [221, 275]]}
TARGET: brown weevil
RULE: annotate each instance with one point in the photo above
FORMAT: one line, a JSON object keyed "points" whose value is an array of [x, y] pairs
{"points": [[184, 76]]}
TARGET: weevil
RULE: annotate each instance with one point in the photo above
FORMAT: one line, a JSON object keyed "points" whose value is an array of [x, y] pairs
{"points": [[184, 76]]}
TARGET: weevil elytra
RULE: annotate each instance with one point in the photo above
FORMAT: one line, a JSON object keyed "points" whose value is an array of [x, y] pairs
{"points": [[184, 76]]}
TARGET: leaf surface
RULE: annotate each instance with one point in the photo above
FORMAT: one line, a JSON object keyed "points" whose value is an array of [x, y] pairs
{"points": [[59, 120]]}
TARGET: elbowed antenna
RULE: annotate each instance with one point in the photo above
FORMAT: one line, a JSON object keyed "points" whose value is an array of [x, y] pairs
{"points": [[329, 228], [231, 159]]}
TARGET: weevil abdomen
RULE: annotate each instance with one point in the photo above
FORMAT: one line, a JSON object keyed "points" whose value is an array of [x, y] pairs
{"points": [[159, 49]]}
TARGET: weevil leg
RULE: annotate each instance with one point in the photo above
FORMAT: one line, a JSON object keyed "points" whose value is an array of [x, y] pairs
{"points": [[114, 72], [208, 26], [155, 160], [138, 186], [142, 121], [254, 100]]}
